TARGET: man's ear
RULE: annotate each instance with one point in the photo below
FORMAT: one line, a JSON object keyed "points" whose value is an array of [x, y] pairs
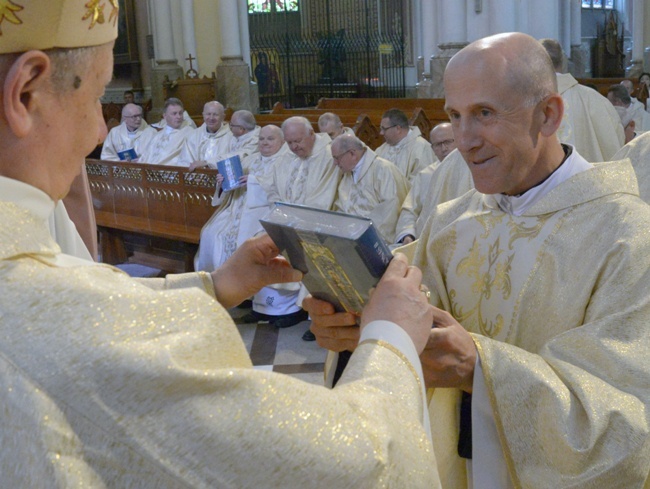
{"points": [[552, 112], [26, 79]]}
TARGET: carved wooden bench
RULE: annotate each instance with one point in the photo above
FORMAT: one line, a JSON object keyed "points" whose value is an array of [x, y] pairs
{"points": [[150, 214]]}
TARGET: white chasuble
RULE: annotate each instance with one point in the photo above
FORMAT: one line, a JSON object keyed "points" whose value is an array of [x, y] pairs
{"points": [[237, 218], [377, 193], [120, 139], [411, 155], [310, 181], [558, 303], [202, 145], [165, 147], [638, 151], [112, 382]]}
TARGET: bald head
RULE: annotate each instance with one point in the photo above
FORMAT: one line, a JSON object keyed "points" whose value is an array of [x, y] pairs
{"points": [[270, 140], [523, 63], [330, 124], [132, 116], [213, 115], [442, 140], [299, 135], [629, 86], [347, 151], [501, 97]]}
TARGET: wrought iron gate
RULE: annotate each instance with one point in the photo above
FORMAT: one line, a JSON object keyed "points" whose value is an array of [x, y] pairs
{"points": [[306, 49]]}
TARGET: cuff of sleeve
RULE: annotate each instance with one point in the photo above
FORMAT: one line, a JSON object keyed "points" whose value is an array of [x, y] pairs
{"points": [[391, 333]]}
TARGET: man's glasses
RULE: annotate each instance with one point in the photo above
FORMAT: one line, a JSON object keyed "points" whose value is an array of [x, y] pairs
{"points": [[384, 129], [137, 116]]}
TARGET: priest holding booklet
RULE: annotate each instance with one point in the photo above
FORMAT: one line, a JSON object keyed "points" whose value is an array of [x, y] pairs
{"points": [[109, 381], [540, 278]]}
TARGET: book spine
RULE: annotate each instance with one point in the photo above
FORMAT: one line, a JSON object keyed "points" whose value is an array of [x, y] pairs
{"points": [[373, 251]]}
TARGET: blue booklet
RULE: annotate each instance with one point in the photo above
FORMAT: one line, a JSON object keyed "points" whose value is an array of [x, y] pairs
{"points": [[232, 171], [127, 155], [342, 256]]}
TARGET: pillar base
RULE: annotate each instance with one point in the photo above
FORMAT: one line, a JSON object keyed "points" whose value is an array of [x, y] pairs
{"points": [[166, 69], [234, 88], [439, 63], [580, 62]]}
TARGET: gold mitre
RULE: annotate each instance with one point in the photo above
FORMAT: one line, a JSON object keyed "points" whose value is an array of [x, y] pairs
{"points": [[47, 24]]}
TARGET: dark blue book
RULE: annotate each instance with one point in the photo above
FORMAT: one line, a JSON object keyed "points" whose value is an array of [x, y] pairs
{"points": [[232, 171], [341, 256], [127, 155]]}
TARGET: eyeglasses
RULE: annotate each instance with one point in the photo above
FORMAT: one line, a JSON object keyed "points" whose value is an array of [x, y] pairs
{"points": [[384, 129], [446, 142], [137, 116], [338, 157], [235, 125]]}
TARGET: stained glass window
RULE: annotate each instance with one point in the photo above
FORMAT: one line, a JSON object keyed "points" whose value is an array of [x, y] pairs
{"points": [[268, 6], [599, 4]]}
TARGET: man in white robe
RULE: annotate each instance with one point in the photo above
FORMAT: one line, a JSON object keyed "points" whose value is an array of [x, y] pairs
{"points": [[404, 145], [112, 382], [237, 218], [133, 133], [241, 142], [619, 97], [589, 122], [166, 145], [330, 124], [310, 178], [638, 151], [209, 140], [370, 186], [442, 143], [541, 275]]}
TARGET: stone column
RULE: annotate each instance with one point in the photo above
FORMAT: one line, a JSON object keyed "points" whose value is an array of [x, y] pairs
{"points": [[429, 30], [635, 67], [503, 15], [452, 26], [233, 78], [189, 41], [167, 67], [579, 56]]}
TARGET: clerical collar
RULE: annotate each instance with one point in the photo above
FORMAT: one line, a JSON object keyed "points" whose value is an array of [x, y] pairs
{"points": [[169, 130], [517, 205], [357, 169]]}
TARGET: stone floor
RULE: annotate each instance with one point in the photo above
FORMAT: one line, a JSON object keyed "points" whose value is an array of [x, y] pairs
{"points": [[270, 348], [282, 350]]}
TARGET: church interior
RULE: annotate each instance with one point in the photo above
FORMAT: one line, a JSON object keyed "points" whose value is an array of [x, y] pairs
{"points": [[281, 58]]}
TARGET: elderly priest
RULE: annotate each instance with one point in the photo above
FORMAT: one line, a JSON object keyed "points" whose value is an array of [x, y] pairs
{"points": [[132, 134]]}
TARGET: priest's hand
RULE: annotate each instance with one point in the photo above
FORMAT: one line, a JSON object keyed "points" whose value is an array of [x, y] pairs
{"points": [[398, 298], [254, 265], [450, 355], [335, 331]]}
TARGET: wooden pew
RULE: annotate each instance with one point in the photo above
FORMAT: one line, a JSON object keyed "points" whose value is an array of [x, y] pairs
{"points": [[405, 104], [149, 214]]}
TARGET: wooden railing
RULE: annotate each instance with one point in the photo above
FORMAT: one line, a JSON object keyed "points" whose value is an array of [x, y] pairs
{"points": [[150, 214]]}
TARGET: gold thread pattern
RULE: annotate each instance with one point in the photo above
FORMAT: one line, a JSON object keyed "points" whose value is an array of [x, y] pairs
{"points": [[8, 11], [94, 12], [114, 12]]}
